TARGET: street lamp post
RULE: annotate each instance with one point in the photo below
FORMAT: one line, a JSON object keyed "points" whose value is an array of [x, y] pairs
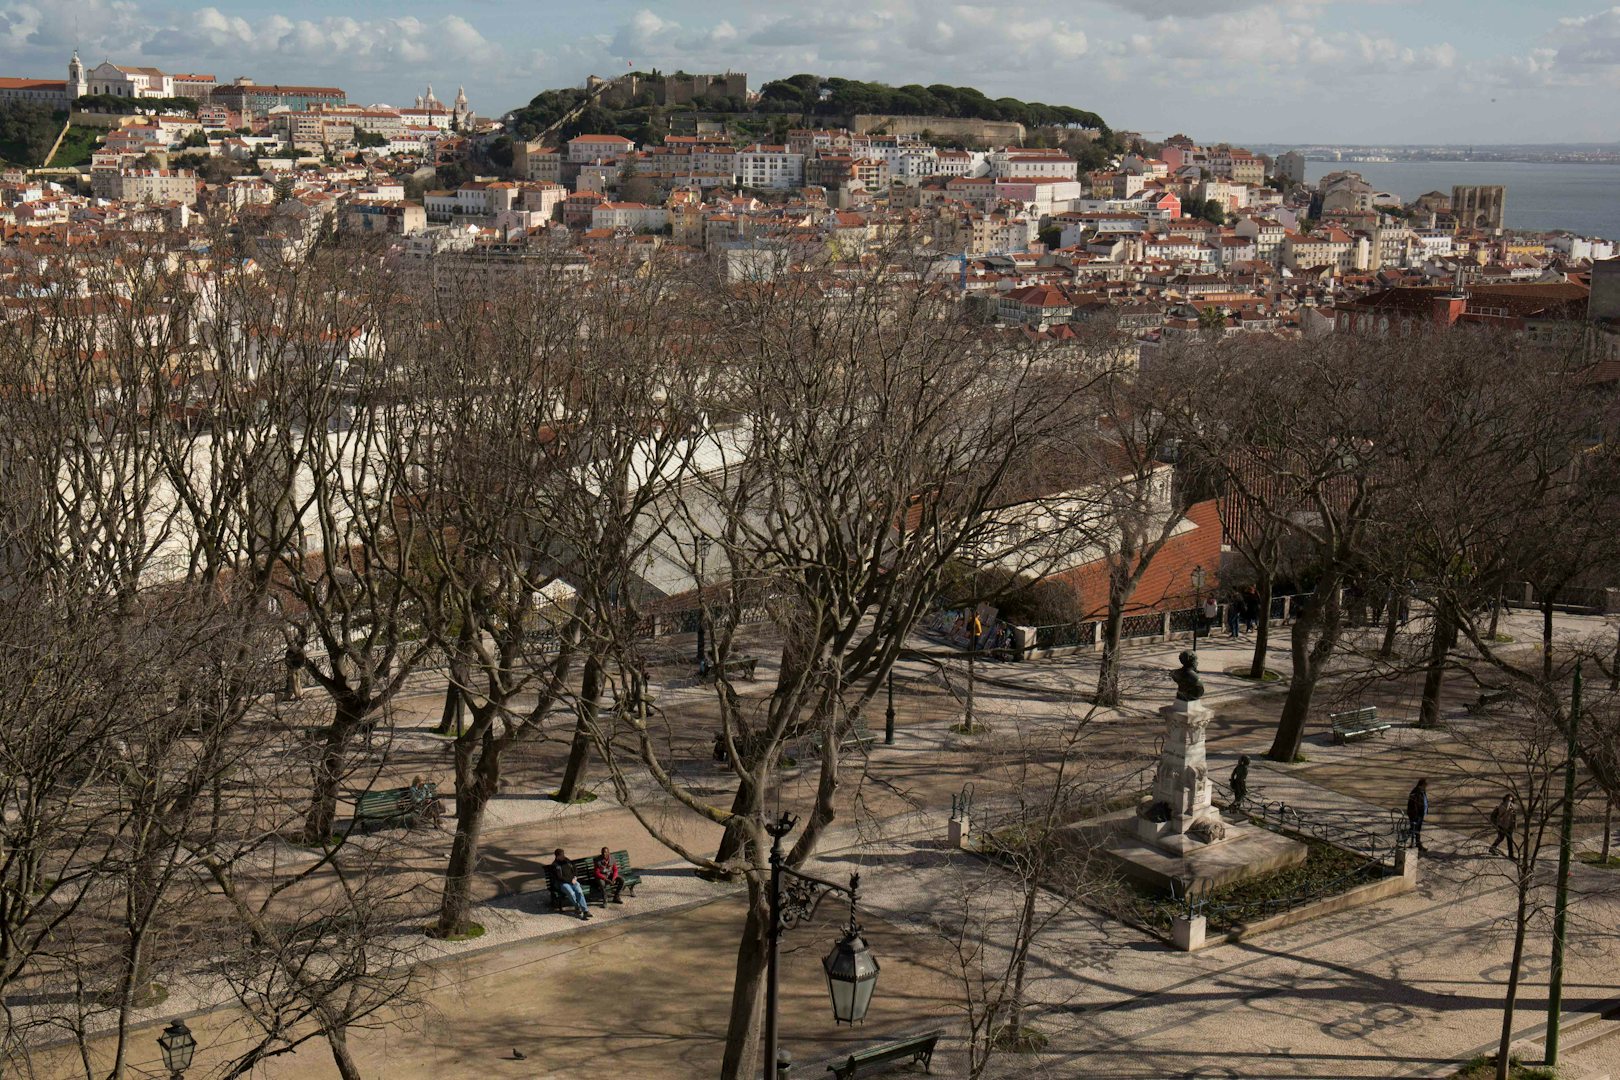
{"points": [[177, 1045], [1198, 602], [888, 714], [851, 968], [703, 544]]}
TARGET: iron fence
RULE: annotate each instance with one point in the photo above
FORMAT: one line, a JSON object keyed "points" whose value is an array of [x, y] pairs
{"points": [[1377, 840]]}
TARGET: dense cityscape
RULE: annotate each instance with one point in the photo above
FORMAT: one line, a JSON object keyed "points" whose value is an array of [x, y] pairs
{"points": [[584, 587]]}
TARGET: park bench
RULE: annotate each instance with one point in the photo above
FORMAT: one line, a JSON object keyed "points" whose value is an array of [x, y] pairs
{"points": [[584, 870], [1357, 723], [391, 805], [883, 1058], [736, 665], [859, 737], [1488, 696]]}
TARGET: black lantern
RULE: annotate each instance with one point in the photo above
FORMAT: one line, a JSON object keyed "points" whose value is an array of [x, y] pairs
{"points": [[852, 973], [177, 1045]]}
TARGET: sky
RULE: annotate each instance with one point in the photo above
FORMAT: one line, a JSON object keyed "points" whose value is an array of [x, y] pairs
{"points": [[1256, 71]]}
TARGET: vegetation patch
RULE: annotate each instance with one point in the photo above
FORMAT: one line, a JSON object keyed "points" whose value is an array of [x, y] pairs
{"points": [[1328, 870], [1595, 858], [965, 728], [77, 146], [1484, 1068], [467, 933], [1020, 1040], [1267, 676]]}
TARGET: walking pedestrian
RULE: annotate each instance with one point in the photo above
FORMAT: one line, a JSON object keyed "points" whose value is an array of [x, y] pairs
{"points": [[1506, 818], [1251, 608], [1417, 808], [1234, 614]]}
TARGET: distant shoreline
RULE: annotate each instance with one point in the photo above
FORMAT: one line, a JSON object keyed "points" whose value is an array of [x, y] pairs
{"points": [[1463, 161]]}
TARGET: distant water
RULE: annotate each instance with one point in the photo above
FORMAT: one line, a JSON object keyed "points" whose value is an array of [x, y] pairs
{"points": [[1541, 197]]}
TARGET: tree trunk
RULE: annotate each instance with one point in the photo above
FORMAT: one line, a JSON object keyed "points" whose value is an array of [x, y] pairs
{"points": [[329, 771], [1309, 660], [743, 805], [1522, 918], [455, 695], [1608, 826], [1392, 623], [579, 752], [338, 1040], [1262, 630], [1434, 676], [748, 990], [475, 783], [1108, 670]]}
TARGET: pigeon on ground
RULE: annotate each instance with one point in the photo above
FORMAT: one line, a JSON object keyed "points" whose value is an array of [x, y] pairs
{"points": [[518, 1055]]}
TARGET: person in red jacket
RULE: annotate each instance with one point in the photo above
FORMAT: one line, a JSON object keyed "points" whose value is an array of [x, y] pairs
{"points": [[607, 876]]}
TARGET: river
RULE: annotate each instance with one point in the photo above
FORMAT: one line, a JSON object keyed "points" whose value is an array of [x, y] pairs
{"points": [[1541, 197]]}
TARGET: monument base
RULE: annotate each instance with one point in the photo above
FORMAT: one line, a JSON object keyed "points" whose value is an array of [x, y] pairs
{"points": [[1246, 851]]}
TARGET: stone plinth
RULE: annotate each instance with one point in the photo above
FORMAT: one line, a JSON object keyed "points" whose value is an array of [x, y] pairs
{"points": [[1180, 814], [1245, 852], [1177, 838]]}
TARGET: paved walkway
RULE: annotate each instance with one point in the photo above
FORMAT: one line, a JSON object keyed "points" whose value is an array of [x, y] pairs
{"points": [[1398, 989]]}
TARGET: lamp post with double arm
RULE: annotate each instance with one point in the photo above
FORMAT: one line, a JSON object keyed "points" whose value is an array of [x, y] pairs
{"points": [[851, 968]]}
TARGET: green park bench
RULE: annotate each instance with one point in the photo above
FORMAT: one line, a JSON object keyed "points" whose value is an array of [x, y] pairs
{"points": [[736, 665], [586, 873], [883, 1058], [1488, 696], [1357, 723], [389, 806], [859, 737]]}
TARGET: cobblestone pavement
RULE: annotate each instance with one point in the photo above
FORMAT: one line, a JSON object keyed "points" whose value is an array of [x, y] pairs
{"points": [[1405, 987]]}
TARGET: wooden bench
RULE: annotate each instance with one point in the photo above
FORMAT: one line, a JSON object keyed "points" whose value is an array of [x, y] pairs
{"points": [[584, 869], [1357, 723], [394, 805], [736, 665], [883, 1058], [859, 737], [1488, 696]]}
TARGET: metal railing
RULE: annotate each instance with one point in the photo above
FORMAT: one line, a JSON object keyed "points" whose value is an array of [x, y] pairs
{"points": [[1378, 841]]}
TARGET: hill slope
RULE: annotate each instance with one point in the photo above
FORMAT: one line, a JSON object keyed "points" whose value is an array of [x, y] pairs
{"points": [[801, 100]]}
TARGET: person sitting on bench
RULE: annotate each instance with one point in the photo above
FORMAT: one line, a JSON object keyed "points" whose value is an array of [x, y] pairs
{"points": [[607, 877], [568, 883]]}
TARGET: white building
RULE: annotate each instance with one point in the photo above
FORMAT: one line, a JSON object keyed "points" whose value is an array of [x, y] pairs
{"points": [[629, 215], [1026, 163], [130, 82], [584, 149], [770, 168]]}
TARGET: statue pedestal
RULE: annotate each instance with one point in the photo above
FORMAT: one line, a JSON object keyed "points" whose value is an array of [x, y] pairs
{"points": [[1177, 838]]}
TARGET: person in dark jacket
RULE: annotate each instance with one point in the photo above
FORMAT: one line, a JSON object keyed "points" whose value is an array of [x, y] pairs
{"points": [[1251, 608], [1417, 808], [562, 868]]}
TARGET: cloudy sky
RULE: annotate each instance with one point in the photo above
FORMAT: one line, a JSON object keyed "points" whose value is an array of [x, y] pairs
{"points": [[1367, 71]]}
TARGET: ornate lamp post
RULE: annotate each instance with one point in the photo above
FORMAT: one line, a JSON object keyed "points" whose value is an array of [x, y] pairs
{"points": [[177, 1045], [702, 544], [1198, 602], [888, 715], [851, 968]]}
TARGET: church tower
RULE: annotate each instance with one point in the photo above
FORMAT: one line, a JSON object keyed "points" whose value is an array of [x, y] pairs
{"points": [[460, 114], [77, 84]]}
